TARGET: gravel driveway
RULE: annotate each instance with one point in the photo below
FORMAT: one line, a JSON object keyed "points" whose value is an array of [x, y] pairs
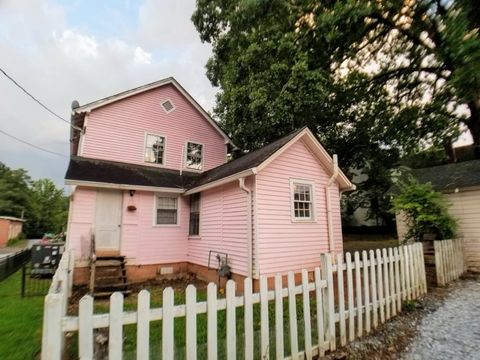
{"points": [[453, 330]]}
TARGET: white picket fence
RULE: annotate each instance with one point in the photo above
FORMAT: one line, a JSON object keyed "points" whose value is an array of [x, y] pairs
{"points": [[376, 284], [449, 260], [56, 304]]}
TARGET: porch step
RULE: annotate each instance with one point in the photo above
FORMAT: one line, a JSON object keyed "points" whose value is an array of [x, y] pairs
{"points": [[109, 293], [108, 286], [107, 275], [107, 263]]}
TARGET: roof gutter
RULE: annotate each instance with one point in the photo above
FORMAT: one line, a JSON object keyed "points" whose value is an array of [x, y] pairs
{"points": [[222, 181], [248, 191], [331, 242], [123, 186]]}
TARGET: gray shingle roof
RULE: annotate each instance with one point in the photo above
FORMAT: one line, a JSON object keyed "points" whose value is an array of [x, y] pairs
{"points": [[450, 176], [95, 170]]}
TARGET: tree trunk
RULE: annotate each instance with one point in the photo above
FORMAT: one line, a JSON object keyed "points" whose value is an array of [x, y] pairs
{"points": [[474, 125]]}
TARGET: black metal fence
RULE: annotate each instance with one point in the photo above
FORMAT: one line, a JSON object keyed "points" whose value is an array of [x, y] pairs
{"points": [[33, 283], [12, 263]]}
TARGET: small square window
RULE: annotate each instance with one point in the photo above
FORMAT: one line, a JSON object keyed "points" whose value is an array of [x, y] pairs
{"points": [[168, 106], [194, 156], [154, 149]]}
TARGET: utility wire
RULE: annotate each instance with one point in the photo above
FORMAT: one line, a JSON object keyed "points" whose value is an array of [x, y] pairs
{"points": [[38, 101], [32, 145]]}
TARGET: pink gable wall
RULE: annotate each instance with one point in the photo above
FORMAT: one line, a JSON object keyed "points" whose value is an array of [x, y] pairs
{"points": [[223, 227], [284, 245], [117, 131]]}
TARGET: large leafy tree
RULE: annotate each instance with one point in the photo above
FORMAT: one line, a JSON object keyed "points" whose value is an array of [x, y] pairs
{"points": [[373, 79], [48, 208], [14, 191], [40, 202]]}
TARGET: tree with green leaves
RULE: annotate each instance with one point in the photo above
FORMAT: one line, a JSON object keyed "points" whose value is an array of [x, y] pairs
{"points": [[48, 209], [375, 80], [40, 202], [14, 191]]}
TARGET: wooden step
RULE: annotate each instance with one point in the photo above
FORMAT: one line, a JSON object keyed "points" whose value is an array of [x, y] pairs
{"points": [[109, 263], [107, 286], [112, 278], [104, 294], [122, 258]]}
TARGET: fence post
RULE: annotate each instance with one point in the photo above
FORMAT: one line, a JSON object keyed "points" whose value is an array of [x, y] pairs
{"points": [[52, 328], [329, 313], [438, 263]]}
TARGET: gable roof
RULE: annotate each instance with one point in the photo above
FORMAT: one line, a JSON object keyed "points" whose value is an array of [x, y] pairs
{"points": [[450, 176], [255, 161], [87, 171], [138, 90]]}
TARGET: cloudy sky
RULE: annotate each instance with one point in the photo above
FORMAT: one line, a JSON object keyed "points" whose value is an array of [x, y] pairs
{"points": [[85, 50]]}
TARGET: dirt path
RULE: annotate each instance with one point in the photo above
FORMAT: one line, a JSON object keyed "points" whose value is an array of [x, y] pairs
{"points": [[453, 330]]}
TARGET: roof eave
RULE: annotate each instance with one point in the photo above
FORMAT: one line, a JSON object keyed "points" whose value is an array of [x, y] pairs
{"points": [[105, 185], [221, 181]]}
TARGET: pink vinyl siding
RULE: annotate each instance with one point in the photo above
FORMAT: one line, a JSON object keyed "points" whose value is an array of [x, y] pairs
{"points": [[141, 241], [117, 131], [223, 227], [284, 245], [81, 219], [146, 243]]}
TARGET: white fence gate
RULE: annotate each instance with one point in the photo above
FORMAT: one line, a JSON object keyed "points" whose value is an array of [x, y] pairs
{"points": [[297, 321], [449, 260]]}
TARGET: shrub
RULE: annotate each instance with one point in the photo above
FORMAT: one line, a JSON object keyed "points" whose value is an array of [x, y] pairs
{"points": [[425, 211]]}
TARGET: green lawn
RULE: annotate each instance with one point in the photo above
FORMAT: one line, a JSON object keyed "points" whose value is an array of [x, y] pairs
{"points": [[179, 328], [20, 321], [354, 243]]}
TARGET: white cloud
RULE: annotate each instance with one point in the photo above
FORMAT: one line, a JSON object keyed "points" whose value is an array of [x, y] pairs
{"points": [[77, 46], [141, 56], [60, 61]]}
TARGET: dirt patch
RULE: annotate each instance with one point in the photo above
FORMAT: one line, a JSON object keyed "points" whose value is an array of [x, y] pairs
{"points": [[155, 287]]}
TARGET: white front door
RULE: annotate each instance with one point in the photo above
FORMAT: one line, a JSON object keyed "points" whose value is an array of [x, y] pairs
{"points": [[108, 219]]}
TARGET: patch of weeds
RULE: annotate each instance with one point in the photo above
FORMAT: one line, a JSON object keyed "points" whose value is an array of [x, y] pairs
{"points": [[409, 305]]}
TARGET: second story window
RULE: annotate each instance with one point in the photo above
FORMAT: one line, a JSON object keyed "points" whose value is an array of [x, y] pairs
{"points": [[155, 149], [194, 156]]}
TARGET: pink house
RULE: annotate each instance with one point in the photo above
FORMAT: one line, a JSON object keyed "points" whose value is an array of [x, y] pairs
{"points": [[153, 185]]}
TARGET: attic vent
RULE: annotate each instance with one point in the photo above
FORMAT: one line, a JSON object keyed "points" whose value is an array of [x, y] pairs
{"points": [[168, 106]]}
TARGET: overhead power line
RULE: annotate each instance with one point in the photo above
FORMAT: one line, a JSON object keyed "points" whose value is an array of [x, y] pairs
{"points": [[32, 145], [38, 101]]}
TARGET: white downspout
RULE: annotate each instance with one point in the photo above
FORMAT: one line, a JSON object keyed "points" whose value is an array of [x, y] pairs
{"points": [[331, 242], [241, 182]]}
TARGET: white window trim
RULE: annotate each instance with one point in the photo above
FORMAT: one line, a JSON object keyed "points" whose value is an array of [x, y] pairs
{"points": [[164, 150], [169, 195], [171, 102], [199, 235], [311, 183], [186, 153]]}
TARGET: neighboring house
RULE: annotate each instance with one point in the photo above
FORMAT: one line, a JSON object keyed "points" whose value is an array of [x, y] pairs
{"points": [[152, 183], [10, 228], [460, 184]]}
